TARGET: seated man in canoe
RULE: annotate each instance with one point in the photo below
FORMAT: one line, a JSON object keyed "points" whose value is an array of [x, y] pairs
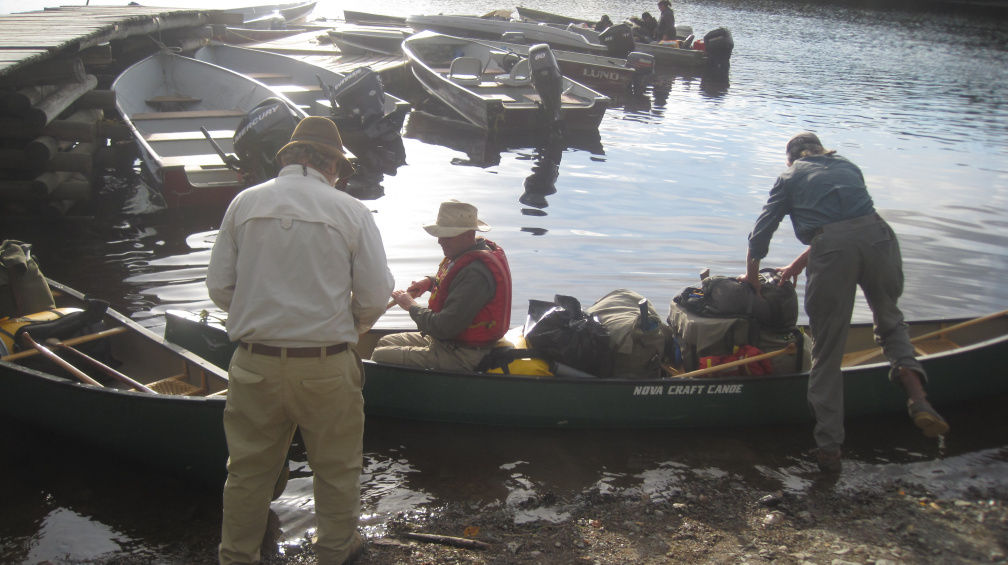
{"points": [[470, 302]]}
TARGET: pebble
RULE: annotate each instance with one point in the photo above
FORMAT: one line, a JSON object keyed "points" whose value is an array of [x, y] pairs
{"points": [[773, 518]]}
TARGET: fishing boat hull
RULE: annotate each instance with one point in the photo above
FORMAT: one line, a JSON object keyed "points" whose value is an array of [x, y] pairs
{"points": [[368, 18], [530, 15], [601, 72], [179, 434], [369, 40], [968, 372], [495, 29], [165, 99], [670, 56], [298, 80], [490, 104], [665, 55]]}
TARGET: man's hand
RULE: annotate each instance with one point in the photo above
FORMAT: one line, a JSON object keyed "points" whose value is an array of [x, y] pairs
{"points": [[403, 299], [791, 272], [419, 287]]}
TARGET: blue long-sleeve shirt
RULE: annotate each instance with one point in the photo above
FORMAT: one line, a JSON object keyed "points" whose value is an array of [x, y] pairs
{"points": [[814, 191]]}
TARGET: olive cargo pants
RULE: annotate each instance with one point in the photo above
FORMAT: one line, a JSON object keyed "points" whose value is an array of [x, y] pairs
{"points": [[862, 252]]}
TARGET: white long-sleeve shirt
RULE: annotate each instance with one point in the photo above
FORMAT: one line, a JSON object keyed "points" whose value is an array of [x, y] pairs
{"points": [[298, 263]]}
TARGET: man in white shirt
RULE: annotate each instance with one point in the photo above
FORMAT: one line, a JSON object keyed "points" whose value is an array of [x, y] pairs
{"points": [[300, 268]]}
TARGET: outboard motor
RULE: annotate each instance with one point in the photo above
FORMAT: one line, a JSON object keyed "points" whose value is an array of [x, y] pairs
{"points": [[260, 134], [719, 45], [358, 99], [619, 39], [643, 65], [548, 82]]}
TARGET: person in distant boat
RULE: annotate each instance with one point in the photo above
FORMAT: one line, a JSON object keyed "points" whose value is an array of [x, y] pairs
{"points": [[300, 268], [469, 308], [603, 24], [850, 246], [646, 25], [666, 30]]}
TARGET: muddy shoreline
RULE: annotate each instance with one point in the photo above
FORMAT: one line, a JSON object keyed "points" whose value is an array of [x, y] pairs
{"points": [[718, 521]]}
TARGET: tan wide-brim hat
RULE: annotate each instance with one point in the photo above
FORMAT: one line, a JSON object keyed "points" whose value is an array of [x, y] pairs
{"points": [[322, 134], [455, 218]]}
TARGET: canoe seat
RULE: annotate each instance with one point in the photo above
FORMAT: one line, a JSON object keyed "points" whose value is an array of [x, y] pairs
{"points": [[179, 385], [466, 71], [520, 75], [932, 346]]}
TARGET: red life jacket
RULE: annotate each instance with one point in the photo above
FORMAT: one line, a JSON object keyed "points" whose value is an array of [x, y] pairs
{"points": [[492, 321]]}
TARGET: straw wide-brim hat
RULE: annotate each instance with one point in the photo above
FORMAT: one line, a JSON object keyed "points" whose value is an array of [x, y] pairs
{"points": [[455, 218], [322, 134]]}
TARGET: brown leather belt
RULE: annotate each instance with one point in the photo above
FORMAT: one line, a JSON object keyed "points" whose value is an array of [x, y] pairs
{"points": [[261, 349]]}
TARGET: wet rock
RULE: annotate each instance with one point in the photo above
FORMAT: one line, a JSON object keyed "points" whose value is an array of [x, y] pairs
{"points": [[772, 499], [773, 518]]}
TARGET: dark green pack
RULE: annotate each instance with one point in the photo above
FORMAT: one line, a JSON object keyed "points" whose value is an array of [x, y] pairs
{"points": [[23, 289]]}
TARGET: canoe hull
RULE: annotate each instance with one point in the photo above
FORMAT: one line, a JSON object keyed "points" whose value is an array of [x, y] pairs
{"points": [[968, 373], [183, 435]]}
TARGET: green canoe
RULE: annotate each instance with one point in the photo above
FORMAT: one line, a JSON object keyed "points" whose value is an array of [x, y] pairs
{"points": [[964, 364], [178, 429]]}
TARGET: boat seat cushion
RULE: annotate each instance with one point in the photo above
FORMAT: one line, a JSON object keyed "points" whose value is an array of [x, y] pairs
{"points": [[520, 75], [466, 71]]}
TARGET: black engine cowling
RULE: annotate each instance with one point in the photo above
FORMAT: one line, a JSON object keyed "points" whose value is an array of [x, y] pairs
{"points": [[719, 45], [360, 98], [547, 80], [643, 65], [619, 39], [260, 134]]}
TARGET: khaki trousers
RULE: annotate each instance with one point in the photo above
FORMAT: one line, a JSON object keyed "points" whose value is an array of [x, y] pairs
{"points": [[268, 398], [862, 252], [417, 350]]}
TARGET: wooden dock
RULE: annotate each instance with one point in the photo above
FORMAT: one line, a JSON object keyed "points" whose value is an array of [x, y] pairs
{"points": [[55, 102], [75, 30]]}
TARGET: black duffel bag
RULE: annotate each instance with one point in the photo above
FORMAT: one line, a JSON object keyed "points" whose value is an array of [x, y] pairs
{"points": [[568, 335]]}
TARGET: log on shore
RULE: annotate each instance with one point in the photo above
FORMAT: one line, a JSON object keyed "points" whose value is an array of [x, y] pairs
{"points": [[58, 71], [47, 187], [53, 105], [18, 103], [82, 125], [75, 160]]}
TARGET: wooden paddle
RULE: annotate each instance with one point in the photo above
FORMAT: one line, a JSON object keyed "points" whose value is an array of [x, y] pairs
{"points": [[59, 361], [789, 350], [858, 357], [71, 341], [104, 368]]}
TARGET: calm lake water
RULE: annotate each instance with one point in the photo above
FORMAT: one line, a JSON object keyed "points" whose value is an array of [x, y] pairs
{"points": [[671, 185]]}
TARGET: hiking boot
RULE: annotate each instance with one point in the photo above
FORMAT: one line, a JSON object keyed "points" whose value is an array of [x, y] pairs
{"points": [[828, 460], [356, 549], [925, 418]]}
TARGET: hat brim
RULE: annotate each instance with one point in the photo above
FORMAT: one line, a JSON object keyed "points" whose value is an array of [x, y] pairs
{"points": [[449, 231], [344, 167]]}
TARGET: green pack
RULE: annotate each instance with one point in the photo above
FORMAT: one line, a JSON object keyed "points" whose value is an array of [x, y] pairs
{"points": [[23, 289]]}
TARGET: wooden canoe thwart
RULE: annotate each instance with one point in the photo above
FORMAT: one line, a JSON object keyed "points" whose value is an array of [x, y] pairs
{"points": [[962, 357]]}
